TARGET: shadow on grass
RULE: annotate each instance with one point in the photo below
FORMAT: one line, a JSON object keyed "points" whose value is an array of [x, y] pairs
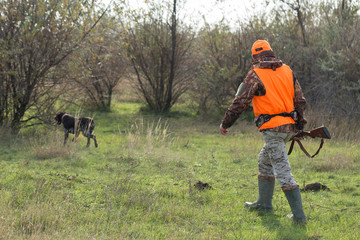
{"points": [[272, 222], [294, 231]]}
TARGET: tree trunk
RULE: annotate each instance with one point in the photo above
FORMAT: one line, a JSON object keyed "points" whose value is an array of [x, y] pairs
{"points": [[172, 60]]}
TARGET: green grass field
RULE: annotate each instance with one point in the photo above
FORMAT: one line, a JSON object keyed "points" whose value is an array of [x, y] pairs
{"points": [[139, 183]]}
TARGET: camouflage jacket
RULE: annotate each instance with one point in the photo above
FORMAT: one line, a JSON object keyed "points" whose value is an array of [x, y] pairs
{"points": [[254, 87]]}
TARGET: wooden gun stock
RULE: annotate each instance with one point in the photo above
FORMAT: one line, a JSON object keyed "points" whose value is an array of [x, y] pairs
{"points": [[320, 132]]}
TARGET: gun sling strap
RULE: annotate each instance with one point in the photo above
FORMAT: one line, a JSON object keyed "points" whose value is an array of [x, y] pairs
{"points": [[303, 149]]}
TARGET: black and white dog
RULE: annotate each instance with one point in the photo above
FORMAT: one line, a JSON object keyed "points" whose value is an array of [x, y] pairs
{"points": [[85, 125]]}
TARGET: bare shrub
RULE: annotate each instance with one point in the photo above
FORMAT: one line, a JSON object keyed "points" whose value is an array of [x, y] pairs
{"points": [[158, 47], [223, 64], [102, 64], [36, 38]]}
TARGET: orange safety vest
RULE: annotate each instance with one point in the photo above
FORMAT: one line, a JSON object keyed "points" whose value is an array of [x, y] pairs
{"points": [[279, 97]]}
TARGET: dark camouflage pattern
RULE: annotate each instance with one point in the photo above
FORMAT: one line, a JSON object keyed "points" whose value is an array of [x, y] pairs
{"points": [[254, 87]]}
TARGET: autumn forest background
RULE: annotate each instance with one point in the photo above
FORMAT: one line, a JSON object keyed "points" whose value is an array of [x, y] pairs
{"points": [[157, 81], [59, 53]]}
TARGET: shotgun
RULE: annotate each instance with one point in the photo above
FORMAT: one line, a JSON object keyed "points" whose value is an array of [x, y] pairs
{"points": [[320, 132]]}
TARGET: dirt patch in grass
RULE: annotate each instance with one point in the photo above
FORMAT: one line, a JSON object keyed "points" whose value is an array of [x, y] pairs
{"points": [[202, 186], [315, 187]]}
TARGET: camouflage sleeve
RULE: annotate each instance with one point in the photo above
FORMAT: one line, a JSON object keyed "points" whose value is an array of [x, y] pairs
{"points": [[299, 104], [251, 86]]}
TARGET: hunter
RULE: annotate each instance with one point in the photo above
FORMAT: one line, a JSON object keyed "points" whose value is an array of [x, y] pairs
{"points": [[278, 105]]}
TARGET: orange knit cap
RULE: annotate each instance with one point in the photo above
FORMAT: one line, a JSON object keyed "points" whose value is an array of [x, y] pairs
{"points": [[260, 46]]}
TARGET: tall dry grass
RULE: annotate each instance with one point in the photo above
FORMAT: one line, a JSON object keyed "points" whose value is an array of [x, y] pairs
{"points": [[51, 145], [148, 135], [340, 127]]}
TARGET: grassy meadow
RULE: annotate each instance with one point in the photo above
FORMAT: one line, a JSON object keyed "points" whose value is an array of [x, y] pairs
{"points": [[140, 182]]}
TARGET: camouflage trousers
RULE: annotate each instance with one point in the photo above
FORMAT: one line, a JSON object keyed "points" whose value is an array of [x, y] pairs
{"points": [[273, 159]]}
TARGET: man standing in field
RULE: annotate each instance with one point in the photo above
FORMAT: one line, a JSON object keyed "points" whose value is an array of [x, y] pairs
{"points": [[279, 106]]}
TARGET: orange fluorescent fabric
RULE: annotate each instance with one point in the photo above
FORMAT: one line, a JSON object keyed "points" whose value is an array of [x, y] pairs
{"points": [[279, 95], [260, 46]]}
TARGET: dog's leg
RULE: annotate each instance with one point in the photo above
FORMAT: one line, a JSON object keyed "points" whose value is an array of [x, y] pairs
{"points": [[94, 137], [88, 135], [66, 137], [76, 135], [88, 141]]}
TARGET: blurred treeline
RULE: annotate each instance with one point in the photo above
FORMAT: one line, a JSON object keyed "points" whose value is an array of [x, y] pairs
{"points": [[57, 53]]}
